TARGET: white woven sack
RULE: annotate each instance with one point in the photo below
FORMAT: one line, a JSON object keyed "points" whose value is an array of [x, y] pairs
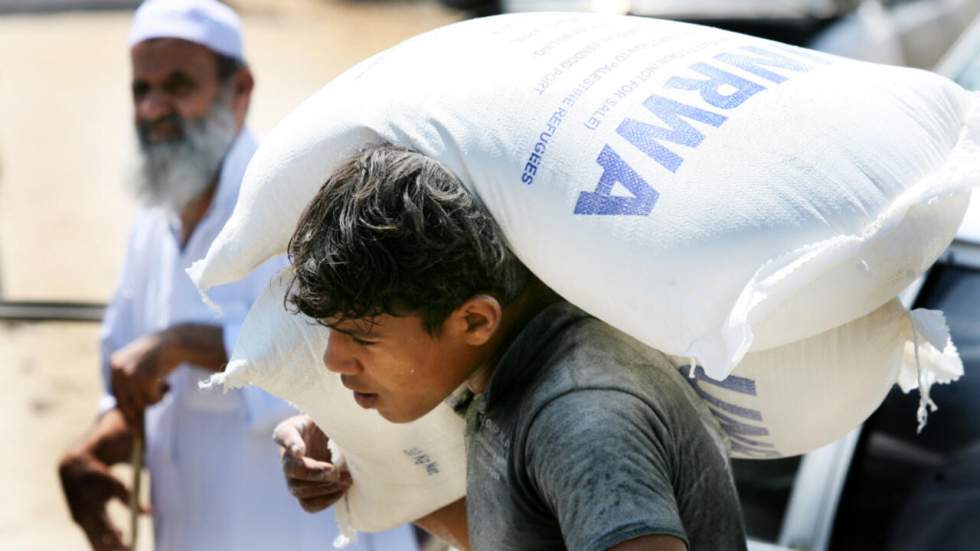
{"points": [[704, 191], [779, 402], [795, 398], [400, 472]]}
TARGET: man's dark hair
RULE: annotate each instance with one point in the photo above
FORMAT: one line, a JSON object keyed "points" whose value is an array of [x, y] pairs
{"points": [[227, 66], [394, 232]]}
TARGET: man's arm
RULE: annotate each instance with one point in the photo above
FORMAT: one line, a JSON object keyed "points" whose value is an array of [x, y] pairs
{"points": [[651, 543], [87, 483], [137, 371], [199, 344], [602, 463], [448, 524]]}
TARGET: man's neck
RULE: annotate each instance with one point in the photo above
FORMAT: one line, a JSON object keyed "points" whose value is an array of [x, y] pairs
{"points": [[192, 214], [516, 316]]}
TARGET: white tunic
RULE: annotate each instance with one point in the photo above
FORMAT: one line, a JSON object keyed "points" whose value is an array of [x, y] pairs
{"points": [[216, 481]]}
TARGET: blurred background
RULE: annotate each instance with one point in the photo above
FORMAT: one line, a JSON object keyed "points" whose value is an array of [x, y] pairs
{"points": [[65, 133]]}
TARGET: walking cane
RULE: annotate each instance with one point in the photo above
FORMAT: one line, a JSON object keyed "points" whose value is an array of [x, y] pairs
{"points": [[134, 497]]}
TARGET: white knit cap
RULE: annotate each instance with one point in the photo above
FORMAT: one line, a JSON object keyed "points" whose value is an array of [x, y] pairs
{"points": [[206, 22]]}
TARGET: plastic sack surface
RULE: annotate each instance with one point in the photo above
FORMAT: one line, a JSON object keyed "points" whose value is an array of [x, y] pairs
{"points": [[798, 397], [774, 404], [706, 192], [400, 472]]}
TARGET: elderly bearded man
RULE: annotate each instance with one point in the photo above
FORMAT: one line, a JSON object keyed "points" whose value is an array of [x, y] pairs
{"points": [[214, 469]]}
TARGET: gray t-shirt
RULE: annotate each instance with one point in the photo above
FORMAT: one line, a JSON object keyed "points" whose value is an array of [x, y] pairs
{"points": [[586, 438]]}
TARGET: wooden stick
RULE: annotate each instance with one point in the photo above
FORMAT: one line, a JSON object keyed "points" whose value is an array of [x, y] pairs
{"points": [[134, 497]]}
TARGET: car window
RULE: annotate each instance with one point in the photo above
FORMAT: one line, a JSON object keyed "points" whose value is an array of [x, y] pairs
{"points": [[910, 491], [893, 3], [764, 487], [969, 75], [962, 62]]}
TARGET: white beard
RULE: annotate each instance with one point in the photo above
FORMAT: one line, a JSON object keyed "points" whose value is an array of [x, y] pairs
{"points": [[170, 174]]}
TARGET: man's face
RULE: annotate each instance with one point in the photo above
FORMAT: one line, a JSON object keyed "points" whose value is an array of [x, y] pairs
{"points": [[174, 82], [186, 120], [393, 365]]}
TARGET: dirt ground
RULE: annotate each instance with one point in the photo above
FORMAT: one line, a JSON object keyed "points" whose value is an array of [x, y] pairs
{"points": [[64, 137]]}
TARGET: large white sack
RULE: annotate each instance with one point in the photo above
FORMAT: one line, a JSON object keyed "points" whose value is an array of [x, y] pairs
{"points": [[779, 402], [400, 472], [795, 398], [703, 191]]}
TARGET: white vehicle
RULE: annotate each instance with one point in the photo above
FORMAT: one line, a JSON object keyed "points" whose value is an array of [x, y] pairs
{"points": [[883, 486], [692, 9], [914, 33]]}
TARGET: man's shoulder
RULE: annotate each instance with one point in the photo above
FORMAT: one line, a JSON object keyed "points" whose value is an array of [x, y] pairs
{"points": [[590, 354], [564, 352], [592, 410], [590, 363]]}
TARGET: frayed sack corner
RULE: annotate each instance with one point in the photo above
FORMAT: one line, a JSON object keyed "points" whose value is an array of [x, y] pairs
{"points": [[930, 358], [195, 272], [221, 381], [343, 540]]}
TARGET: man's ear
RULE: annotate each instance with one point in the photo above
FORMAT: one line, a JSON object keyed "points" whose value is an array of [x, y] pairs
{"points": [[242, 85], [477, 319]]}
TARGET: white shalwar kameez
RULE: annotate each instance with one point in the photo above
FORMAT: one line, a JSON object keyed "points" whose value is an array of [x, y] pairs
{"points": [[216, 480]]}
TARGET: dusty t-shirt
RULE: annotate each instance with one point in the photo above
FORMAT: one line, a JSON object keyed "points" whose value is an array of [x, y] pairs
{"points": [[586, 438]]}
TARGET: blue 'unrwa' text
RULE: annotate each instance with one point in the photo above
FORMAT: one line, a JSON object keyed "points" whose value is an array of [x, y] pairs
{"points": [[682, 120]]}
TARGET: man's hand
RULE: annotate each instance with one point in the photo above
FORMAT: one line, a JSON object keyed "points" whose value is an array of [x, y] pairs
{"points": [[310, 475], [138, 372], [88, 487], [88, 484]]}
